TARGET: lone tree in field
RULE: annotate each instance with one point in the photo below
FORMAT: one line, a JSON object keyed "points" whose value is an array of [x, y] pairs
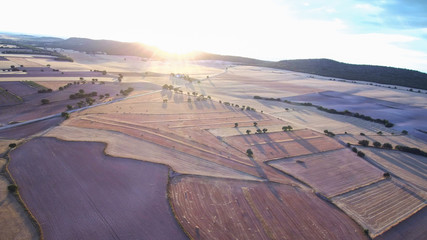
{"points": [[45, 101], [248, 131], [236, 125], [255, 124], [249, 152]]}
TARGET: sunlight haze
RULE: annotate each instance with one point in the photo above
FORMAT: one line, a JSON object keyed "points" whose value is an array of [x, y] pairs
{"points": [[389, 33]]}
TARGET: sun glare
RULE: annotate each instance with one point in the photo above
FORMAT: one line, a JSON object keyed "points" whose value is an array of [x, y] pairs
{"points": [[177, 46]]}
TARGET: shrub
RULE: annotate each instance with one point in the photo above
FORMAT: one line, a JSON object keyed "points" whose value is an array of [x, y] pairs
{"points": [[362, 134], [404, 132], [377, 144], [65, 115], [69, 107], [386, 175], [12, 145], [361, 154], [12, 188], [354, 149]]}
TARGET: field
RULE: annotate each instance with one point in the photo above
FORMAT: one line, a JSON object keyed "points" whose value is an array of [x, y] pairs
{"points": [[29, 129], [409, 167], [271, 146], [121, 145], [76, 192], [382, 205], [223, 209], [14, 222], [18, 88], [331, 173], [162, 164], [7, 98]]}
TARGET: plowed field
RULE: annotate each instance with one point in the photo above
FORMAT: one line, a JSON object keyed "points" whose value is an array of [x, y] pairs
{"points": [[76, 192]]}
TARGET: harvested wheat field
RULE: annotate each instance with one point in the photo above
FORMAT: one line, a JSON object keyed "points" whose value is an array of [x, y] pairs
{"points": [[14, 221], [121, 145], [409, 167], [77, 192], [331, 173], [225, 209], [382, 205], [271, 146]]}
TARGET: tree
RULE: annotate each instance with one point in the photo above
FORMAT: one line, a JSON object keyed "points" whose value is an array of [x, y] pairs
{"points": [[236, 125], [249, 152], [45, 101], [380, 133], [364, 143], [404, 132], [354, 149], [248, 131], [264, 130], [377, 144], [387, 146], [12, 145], [255, 124], [69, 107], [361, 154]]}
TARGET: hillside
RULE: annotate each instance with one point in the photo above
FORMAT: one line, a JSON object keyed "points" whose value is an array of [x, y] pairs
{"points": [[324, 67], [369, 73]]}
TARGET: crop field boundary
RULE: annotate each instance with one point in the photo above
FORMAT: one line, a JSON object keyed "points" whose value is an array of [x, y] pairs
{"points": [[9, 176], [144, 160], [148, 130]]}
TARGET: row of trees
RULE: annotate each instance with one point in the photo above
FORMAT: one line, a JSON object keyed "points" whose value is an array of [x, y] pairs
{"points": [[385, 122]]}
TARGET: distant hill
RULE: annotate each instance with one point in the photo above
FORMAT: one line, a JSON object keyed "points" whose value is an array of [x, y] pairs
{"points": [[108, 46], [323, 67], [369, 73]]}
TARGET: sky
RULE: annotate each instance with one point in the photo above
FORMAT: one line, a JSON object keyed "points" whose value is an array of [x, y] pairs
{"points": [[379, 32]]}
